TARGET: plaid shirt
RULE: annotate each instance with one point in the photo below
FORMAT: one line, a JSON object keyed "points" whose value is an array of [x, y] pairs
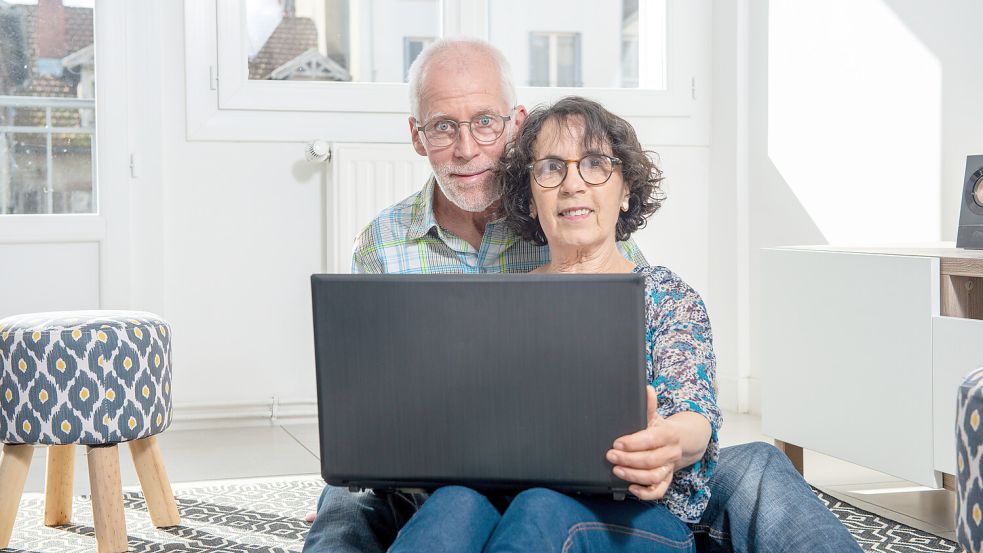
{"points": [[405, 238]]}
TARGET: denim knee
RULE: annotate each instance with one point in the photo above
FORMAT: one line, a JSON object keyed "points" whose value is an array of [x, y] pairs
{"points": [[539, 507], [462, 498], [754, 456], [762, 451], [327, 493], [538, 500]]}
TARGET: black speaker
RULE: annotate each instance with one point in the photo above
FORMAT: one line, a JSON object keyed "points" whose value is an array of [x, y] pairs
{"points": [[970, 235]]}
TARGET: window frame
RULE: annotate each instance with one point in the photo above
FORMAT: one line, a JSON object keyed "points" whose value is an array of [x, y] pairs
{"points": [[223, 104]]}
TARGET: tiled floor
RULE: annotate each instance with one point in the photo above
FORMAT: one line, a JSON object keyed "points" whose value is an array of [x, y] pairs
{"points": [[196, 455]]}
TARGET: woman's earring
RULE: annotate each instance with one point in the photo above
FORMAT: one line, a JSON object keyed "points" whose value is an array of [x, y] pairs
{"points": [[532, 210], [624, 205]]}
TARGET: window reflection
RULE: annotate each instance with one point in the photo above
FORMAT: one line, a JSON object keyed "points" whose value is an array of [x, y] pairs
{"points": [[338, 40], [583, 43], [47, 107], [575, 43]]}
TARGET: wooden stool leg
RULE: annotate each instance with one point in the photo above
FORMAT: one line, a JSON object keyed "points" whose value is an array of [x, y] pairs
{"points": [[58, 485], [794, 454], [153, 480], [107, 499], [14, 462]]}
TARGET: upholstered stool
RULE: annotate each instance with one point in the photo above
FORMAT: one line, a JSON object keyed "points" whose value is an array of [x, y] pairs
{"points": [[92, 378], [969, 462]]}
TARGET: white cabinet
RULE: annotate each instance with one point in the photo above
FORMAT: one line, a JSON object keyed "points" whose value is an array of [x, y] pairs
{"points": [[859, 359], [957, 348]]}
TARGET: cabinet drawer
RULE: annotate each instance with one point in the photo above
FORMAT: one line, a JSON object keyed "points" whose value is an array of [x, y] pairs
{"points": [[957, 349]]}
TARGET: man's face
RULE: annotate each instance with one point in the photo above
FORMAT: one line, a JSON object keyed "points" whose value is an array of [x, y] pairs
{"points": [[458, 91]]}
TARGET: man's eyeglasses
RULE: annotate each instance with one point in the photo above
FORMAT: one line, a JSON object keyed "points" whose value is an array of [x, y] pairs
{"points": [[484, 127], [595, 169]]}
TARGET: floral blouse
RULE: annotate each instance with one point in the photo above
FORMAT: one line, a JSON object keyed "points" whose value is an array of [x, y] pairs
{"points": [[681, 366]]}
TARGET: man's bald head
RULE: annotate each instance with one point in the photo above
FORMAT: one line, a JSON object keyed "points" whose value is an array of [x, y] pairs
{"points": [[457, 55]]}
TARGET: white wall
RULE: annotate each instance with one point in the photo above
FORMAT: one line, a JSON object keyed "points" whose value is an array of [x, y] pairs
{"points": [[727, 203], [228, 234], [861, 114]]}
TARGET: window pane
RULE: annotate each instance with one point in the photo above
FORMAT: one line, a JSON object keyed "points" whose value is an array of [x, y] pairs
{"points": [[337, 40], [629, 43], [539, 60], [587, 36], [412, 46], [47, 108], [567, 60], [71, 174]]}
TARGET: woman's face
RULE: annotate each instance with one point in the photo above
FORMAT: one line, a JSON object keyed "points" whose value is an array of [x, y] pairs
{"points": [[575, 214]]}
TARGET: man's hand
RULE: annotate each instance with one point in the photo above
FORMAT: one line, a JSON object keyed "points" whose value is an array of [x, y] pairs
{"points": [[648, 457]]}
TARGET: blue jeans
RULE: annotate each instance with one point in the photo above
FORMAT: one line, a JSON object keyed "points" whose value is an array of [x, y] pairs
{"points": [[758, 503], [460, 520]]}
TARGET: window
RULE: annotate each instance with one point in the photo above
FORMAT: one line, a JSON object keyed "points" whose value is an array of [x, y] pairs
{"points": [[617, 52], [412, 46], [336, 40], [47, 108], [584, 44], [554, 59]]}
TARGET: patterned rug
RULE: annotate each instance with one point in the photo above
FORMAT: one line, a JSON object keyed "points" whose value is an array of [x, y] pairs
{"points": [[266, 515]]}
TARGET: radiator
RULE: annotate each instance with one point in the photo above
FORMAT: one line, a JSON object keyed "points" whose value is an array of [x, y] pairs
{"points": [[363, 179]]}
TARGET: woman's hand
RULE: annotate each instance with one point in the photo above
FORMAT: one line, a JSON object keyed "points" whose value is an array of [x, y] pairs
{"points": [[648, 457]]}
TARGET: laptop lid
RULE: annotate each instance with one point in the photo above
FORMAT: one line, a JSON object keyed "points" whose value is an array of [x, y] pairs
{"points": [[491, 381]]}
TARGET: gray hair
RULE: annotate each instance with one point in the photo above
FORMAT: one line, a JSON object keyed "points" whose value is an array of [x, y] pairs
{"points": [[444, 46]]}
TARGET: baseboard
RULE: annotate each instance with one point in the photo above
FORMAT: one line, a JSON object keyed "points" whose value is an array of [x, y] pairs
{"points": [[271, 412]]}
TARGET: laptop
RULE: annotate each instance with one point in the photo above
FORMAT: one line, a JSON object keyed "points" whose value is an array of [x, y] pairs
{"points": [[497, 382]]}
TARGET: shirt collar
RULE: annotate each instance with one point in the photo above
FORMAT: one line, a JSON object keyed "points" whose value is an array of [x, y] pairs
{"points": [[422, 220]]}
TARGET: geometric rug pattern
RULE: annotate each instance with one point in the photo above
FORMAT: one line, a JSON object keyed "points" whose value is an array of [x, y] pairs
{"points": [[875, 533], [254, 515], [267, 515]]}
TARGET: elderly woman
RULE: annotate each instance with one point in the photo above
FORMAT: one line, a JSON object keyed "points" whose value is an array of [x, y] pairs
{"points": [[578, 180]]}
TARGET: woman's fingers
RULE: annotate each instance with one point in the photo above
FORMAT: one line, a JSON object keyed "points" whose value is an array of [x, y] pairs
{"points": [[649, 438], [650, 492], [648, 459], [645, 477]]}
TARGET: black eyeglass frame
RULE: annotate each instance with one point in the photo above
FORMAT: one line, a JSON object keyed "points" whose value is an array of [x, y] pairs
{"points": [[615, 162]]}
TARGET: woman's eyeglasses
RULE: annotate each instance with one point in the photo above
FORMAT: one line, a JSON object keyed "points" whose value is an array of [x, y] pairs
{"points": [[594, 169]]}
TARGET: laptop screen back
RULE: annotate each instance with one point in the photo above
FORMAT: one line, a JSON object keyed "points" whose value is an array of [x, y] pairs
{"points": [[490, 381]]}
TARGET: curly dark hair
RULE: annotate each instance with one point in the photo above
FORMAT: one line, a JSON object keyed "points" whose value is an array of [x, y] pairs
{"points": [[601, 127]]}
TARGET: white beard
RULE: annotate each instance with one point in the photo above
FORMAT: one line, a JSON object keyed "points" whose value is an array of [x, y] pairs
{"points": [[473, 199]]}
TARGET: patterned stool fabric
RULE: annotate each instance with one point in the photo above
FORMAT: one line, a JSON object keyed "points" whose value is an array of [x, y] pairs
{"points": [[969, 462], [84, 377]]}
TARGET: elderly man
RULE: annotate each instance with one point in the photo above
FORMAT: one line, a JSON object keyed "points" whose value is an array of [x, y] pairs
{"points": [[463, 114]]}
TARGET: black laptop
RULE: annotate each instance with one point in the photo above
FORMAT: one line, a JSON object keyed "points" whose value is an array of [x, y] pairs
{"points": [[496, 382]]}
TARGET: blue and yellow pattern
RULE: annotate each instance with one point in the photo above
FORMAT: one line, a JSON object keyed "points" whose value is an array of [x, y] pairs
{"points": [[969, 462], [84, 377]]}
